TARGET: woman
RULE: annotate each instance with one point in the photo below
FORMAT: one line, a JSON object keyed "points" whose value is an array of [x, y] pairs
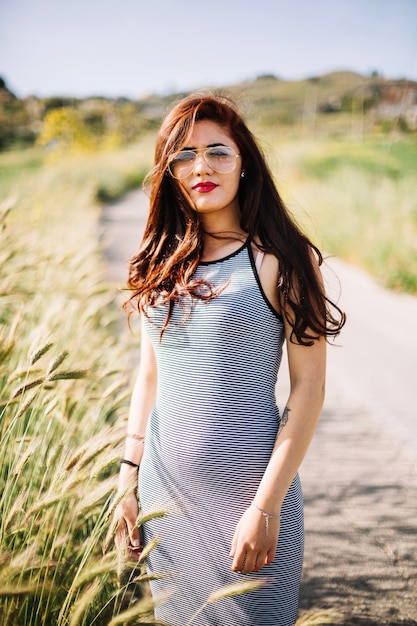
{"points": [[223, 276]]}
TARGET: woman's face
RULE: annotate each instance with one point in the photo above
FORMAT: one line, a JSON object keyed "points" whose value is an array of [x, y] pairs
{"points": [[210, 190]]}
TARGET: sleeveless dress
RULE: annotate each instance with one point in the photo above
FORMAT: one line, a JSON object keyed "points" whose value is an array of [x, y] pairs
{"points": [[209, 439]]}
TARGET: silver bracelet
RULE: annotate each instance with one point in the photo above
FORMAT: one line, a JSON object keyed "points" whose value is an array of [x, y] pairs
{"points": [[267, 517]]}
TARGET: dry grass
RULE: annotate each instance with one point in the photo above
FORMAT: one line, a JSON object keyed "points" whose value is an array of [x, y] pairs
{"points": [[320, 618], [63, 400]]}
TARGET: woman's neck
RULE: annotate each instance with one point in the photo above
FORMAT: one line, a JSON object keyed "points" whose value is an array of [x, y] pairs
{"points": [[220, 244], [222, 234]]}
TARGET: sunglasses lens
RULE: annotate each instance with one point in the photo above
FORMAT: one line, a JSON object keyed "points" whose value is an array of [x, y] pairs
{"points": [[221, 159], [182, 164]]}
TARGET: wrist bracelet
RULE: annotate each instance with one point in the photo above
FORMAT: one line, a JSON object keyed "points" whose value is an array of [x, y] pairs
{"points": [[129, 463], [266, 515]]}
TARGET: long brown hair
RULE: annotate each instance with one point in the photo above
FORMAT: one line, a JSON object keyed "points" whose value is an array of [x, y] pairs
{"points": [[163, 268]]}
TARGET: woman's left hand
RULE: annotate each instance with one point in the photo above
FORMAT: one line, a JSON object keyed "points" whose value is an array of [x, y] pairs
{"points": [[252, 548]]}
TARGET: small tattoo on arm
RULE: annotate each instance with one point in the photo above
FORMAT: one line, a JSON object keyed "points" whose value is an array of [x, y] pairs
{"points": [[284, 418]]}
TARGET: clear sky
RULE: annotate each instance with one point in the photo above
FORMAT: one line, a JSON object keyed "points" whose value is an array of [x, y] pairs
{"points": [[134, 47]]}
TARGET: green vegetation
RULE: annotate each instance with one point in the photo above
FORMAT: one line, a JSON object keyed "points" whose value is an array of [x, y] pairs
{"points": [[361, 199], [377, 157]]}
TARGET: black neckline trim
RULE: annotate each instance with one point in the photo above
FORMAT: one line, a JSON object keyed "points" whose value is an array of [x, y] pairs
{"points": [[225, 258]]}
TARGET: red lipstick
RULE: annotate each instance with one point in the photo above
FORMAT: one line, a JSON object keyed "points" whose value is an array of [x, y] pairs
{"points": [[204, 187]]}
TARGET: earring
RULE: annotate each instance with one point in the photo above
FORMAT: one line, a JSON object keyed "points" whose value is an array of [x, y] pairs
{"points": [[242, 174]]}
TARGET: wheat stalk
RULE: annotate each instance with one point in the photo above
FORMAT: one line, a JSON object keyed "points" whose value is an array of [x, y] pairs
{"points": [[319, 618], [234, 589]]}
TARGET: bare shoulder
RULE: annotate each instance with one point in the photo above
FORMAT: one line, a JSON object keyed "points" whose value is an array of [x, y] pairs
{"points": [[268, 275]]}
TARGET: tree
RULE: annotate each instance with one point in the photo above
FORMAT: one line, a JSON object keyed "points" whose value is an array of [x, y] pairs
{"points": [[64, 128]]}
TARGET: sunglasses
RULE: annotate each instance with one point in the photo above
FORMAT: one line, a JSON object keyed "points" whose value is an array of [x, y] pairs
{"points": [[221, 159]]}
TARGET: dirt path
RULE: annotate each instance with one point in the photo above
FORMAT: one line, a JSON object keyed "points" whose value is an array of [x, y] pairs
{"points": [[359, 477]]}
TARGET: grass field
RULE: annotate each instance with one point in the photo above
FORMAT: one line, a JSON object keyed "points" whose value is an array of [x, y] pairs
{"points": [[63, 384], [63, 393], [357, 199]]}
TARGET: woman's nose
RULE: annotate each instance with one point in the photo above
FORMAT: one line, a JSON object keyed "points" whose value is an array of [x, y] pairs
{"points": [[200, 164]]}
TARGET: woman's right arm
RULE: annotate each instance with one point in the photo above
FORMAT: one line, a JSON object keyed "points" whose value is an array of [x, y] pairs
{"points": [[141, 404]]}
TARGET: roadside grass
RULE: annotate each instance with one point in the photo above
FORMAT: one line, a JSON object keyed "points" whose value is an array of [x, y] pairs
{"points": [[17, 162], [63, 398], [358, 200]]}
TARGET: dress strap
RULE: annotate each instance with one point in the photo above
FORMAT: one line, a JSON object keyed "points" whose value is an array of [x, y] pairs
{"points": [[259, 259]]}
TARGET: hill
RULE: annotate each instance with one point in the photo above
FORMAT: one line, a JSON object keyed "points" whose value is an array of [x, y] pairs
{"points": [[332, 101], [328, 104]]}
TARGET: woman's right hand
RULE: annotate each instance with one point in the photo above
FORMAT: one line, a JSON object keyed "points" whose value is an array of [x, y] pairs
{"points": [[126, 515]]}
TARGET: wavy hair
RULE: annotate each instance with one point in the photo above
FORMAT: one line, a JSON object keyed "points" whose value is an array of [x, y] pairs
{"points": [[162, 270]]}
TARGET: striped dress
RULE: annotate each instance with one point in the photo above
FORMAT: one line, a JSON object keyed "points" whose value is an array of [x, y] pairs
{"points": [[209, 439]]}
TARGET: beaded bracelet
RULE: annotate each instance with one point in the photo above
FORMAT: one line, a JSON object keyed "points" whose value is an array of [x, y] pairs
{"points": [[129, 463], [267, 517]]}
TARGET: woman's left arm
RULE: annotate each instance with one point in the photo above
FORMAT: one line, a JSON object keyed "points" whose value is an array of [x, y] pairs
{"points": [[252, 546], [256, 536], [307, 366]]}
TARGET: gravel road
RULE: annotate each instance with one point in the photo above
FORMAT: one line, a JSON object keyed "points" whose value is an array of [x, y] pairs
{"points": [[359, 476]]}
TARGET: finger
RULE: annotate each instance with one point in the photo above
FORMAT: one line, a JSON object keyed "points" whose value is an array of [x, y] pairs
{"points": [[249, 564], [269, 557], [133, 532], [120, 535], [261, 560], [239, 560]]}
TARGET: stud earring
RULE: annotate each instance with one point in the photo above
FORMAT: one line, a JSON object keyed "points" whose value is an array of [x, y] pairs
{"points": [[242, 174]]}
